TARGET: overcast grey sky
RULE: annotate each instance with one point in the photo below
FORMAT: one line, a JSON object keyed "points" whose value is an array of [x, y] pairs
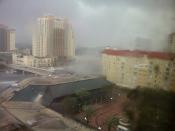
{"points": [[120, 23]]}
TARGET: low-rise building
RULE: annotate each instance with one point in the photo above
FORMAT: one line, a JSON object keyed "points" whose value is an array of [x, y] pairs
{"points": [[139, 68], [44, 62], [29, 60], [20, 59]]}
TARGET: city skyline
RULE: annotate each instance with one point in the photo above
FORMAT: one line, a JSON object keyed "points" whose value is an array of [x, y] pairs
{"points": [[53, 43], [96, 24], [87, 65]]}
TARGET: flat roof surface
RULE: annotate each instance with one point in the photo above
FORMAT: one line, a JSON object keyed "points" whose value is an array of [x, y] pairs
{"points": [[6, 119], [50, 92], [37, 117]]}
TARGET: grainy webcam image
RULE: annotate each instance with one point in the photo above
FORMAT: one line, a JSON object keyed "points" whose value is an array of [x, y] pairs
{"points": [[87, 65]]}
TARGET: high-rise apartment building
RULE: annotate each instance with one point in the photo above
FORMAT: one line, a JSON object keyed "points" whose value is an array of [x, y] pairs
{"points": [[7, 39], [53, 41], [172, 42], [11, 39], [3, 39], [53, 38]]}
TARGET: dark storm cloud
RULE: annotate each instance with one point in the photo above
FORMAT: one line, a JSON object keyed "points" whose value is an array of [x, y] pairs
{"points": [[129, 24]]}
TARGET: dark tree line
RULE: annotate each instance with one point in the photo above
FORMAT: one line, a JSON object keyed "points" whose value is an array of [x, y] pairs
{"points": [[155, 109], [75, 103]]}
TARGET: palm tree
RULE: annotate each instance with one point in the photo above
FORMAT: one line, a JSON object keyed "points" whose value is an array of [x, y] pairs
{"points": [[112, 122]]}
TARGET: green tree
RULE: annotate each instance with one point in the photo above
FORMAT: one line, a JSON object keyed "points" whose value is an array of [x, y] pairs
{"points": [[133, 94], [112, 122], [70, 105], [84, 97], [156, 111]]}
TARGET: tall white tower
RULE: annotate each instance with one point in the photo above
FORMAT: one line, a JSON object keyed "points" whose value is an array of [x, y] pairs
{"points": [[43, 37], [7, 39], [11, 39], [53, 37]]}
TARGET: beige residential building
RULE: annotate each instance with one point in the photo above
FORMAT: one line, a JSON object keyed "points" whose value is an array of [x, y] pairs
{"points": [[7, 39], [20, 59], [139, 68], [54, 39]]}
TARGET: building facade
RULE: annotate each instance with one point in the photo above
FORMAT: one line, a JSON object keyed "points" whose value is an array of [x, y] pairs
{"points": [[139, 68], [172, 42], [53, 38], [29, 60], [7, 39], [52, 42], [3, 39], [20, 59], [11, 40]]}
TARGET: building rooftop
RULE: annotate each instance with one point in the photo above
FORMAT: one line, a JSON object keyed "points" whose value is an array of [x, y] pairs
{"points": [[9, 122], [49, 16], [40, 118], [47, 93], [139, 53]]}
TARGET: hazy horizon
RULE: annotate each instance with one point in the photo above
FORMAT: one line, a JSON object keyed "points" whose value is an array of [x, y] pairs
{"points": [[129, 24]]}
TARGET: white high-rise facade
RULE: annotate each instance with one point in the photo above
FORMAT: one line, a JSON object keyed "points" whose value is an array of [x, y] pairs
{"points": [[11, 39], [53, 42], [53, 38]]}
